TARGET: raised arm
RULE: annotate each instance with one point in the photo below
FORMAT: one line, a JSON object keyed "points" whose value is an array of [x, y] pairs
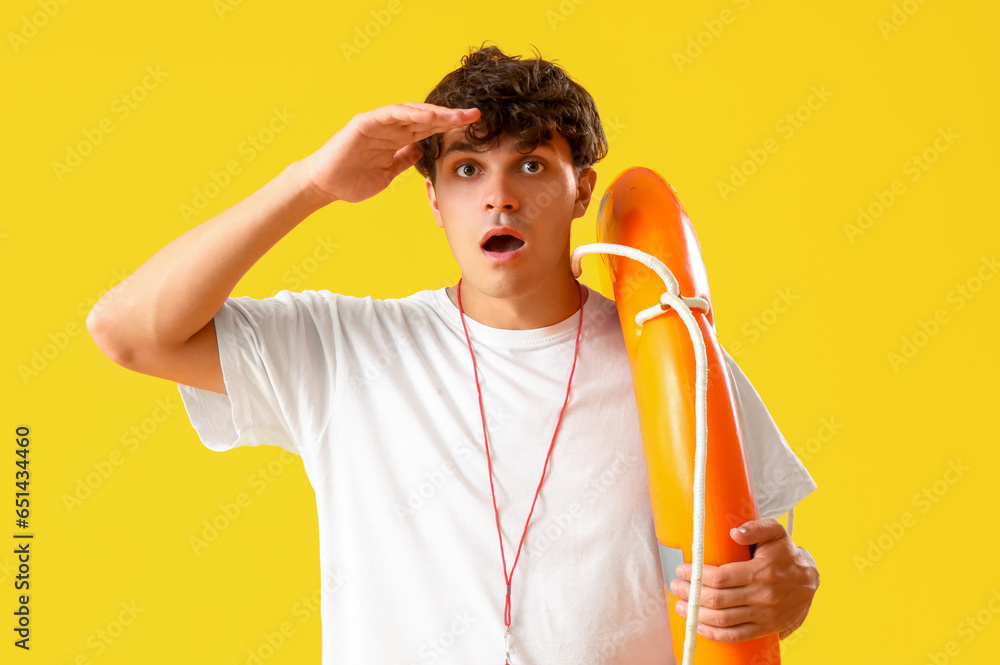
{"points": [[159, 320]]}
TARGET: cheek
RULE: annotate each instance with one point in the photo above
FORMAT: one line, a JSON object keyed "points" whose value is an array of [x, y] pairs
{"points": [[458, 230], [554, 206], [560, 197], [459, 238], [546, 200], [456, 203]]}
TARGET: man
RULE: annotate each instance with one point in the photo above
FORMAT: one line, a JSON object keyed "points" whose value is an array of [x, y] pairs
{"points": [[425, 422]]}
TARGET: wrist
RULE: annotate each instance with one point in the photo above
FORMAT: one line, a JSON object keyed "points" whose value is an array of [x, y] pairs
{"points": [[306, 189]]}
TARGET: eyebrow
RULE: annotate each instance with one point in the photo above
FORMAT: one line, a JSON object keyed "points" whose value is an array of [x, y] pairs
{"points": [[465, 146]]}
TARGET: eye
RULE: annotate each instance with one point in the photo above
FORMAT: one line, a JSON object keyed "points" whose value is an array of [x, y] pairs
{"points": [[461, 172]]}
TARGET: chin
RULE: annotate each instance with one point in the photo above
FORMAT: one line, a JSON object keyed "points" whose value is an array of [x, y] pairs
{"points": [[500, 285]]}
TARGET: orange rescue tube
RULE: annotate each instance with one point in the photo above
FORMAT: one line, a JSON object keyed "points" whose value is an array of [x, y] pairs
{"points": [[640, 210]]}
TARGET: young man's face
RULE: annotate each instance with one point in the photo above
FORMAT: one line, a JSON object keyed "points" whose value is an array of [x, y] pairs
{"points": [[535, 194]]}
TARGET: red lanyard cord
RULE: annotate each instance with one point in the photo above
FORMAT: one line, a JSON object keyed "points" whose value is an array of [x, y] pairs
{"points": [[508, 577]]}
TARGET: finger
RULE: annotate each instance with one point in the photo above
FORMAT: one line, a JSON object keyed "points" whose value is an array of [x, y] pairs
{"points": [[436, 107], [402, 123], [757, 532], [740, 633], [431, 115], [727, 575], [447, 119], [445, 110], [724, 618], [714, 598]]}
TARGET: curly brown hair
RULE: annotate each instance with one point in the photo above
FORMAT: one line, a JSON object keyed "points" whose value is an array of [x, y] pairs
{"points": [[527, 99]]}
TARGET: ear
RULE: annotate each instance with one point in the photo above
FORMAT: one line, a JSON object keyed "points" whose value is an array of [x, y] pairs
{"points": [[584, 191], [432, 198]]}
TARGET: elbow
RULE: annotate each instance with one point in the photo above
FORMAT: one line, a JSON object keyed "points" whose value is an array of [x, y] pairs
{"points": [[106, 332]]}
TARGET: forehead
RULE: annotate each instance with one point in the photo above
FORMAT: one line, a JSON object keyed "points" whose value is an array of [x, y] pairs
{"points": [[453, 142]]}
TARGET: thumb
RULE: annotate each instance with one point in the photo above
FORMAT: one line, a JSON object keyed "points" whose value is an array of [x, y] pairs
{"points": [[405, 158], [756, 532]]}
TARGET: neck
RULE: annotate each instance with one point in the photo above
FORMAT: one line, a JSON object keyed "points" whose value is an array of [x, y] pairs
{"points": [[539, 308]]}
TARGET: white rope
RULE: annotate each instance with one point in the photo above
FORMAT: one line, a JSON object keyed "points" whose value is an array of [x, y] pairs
{"points": [[682, 305]]}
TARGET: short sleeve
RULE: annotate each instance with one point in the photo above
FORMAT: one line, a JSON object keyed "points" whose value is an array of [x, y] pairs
{"points": [[779, 479], [278, 365]]}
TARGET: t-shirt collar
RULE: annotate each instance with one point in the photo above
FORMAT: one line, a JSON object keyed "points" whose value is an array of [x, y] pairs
{"points": [[502, 336]]}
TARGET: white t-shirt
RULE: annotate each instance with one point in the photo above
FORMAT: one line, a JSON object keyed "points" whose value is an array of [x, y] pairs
{"points": [[378, 398]]}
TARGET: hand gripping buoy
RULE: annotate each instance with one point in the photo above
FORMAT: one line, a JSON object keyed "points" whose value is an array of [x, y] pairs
{"points": [[688, 415]]}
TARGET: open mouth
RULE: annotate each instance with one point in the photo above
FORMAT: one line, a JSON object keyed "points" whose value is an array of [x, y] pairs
{"points": [[503, 243]]}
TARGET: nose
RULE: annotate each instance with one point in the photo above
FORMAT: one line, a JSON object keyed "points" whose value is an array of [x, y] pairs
{"points": [[500, 195]]}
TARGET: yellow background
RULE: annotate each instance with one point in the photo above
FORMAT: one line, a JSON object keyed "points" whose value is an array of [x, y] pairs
{"points": [[825, 359]]}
